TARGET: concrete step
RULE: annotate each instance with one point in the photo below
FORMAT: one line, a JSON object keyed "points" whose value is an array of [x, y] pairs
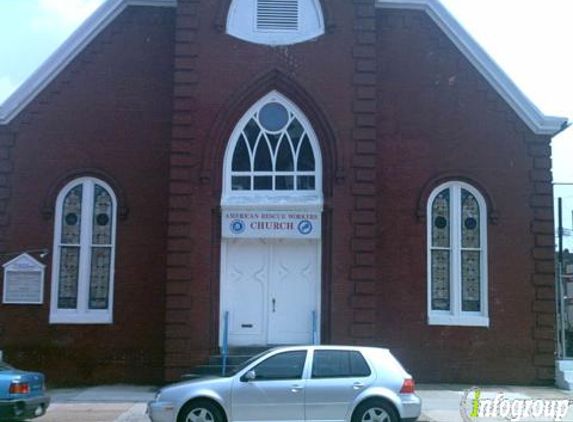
{"points": [[214, 365], [247, 350], [231, 359]]}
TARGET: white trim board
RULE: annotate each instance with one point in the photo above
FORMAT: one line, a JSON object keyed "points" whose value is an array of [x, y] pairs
{"points": [[67, 52], [538, 122]]}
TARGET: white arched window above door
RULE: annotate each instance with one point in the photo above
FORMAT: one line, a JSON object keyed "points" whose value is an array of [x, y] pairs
{"points": [[273, 153]]}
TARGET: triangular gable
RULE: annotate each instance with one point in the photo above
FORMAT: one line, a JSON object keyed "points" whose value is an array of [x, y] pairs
{"points": [[67, 52], [24, 260], [538, 122]]}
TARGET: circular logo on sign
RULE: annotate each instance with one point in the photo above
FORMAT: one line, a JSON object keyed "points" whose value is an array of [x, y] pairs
{"points": [[237, 226], [305, 227]]}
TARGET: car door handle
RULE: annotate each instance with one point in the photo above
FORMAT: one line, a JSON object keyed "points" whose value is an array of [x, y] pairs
{"points": [[357, 385], [296, 388]]}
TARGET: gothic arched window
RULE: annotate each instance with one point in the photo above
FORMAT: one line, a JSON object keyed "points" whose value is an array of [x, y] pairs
{"points": [[273, 149]]}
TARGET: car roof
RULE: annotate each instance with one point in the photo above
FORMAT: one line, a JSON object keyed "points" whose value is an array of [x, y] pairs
{"points": [[328, 347]]}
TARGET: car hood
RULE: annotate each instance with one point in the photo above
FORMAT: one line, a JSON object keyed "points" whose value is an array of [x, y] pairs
{"points": [[206, 384]]}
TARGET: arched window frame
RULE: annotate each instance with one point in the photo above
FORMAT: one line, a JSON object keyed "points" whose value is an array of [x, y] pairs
{"points": [[455, 315], [242, 24], [307, 198], [82, 314]]}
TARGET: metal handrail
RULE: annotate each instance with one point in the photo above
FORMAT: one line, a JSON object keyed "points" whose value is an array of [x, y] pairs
{"points": [[314, 328], [225, 349]]}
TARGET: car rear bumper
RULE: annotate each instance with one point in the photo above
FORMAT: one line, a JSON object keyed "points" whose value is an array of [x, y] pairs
{"points": [[21, 409]]}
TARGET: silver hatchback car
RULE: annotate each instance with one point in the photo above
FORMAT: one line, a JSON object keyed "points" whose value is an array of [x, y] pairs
{"points": [[299, 383]]}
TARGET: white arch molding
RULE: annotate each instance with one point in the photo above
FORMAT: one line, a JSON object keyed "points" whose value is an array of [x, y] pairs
{"points": [[271, 227], [275, 22]]}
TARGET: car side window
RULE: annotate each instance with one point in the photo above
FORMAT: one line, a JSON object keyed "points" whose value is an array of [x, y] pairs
{"points": [[284, 366], [339, 364]]}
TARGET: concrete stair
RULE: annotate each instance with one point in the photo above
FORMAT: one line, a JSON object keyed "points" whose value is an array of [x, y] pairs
{"points": [[214, 365], [564, 374]]}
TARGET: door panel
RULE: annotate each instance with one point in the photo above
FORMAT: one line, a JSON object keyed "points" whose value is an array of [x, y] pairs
{"points": [[277, 394], [247, 283], [270, 288], [334, 385], [292, 291]]}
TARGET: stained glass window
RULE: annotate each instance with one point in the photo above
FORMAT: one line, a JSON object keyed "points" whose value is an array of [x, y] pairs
{"points": [[102, 216], [84, 256], [99, 278], [470, 221], [273, 152], [471, 281], [72, 216], [69, 271], [440, 220], [441, 280], [456, 250]]}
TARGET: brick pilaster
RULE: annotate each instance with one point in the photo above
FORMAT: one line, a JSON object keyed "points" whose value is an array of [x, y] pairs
{"points": [[363, 172], [183, 142], [543, 256]]}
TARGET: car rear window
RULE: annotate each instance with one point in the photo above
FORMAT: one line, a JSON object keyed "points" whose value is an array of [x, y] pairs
{"points": [[339, 364]]}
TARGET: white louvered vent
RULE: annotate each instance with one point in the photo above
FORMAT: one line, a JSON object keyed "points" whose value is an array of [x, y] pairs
{"points": [[277, 15]]}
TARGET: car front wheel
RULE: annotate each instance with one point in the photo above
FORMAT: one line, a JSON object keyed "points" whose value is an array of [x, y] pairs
{"points": [[375, 411], [200, 411]]}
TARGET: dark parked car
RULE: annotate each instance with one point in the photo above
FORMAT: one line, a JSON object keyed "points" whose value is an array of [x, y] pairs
{"points": [[22, 394]]}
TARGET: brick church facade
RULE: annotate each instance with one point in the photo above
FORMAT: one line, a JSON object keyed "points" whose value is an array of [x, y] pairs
{"points": [[347, 172]]}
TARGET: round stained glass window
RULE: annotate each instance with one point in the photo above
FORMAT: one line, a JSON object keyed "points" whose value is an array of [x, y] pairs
{"points": [[102, 219], [470, 223], [71, 219], [273, 117], [440, 222]]}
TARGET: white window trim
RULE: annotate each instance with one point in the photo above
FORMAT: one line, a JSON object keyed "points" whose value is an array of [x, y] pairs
{"points": [[241, 25], [82, 314], [455, 316], [312, 199]]}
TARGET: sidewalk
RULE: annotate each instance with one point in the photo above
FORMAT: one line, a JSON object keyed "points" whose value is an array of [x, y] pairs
{"points": [[115, 403], [125, 403]]}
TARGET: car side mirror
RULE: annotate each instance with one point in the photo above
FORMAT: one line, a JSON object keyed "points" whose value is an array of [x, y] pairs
{"points": [[249, 376]]}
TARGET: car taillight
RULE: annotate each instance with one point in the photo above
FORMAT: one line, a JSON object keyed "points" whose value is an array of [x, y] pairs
{"points": [[19, 388], [408, 386]]}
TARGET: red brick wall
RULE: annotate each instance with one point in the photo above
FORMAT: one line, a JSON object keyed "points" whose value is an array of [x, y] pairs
{"points": [[108, 114]]}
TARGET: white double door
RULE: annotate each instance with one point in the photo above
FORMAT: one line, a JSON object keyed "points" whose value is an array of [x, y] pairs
{"points": [[271, 290]]}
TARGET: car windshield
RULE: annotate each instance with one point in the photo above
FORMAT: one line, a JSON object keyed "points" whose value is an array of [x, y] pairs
{"points": [[246, 363], [5, 367]]}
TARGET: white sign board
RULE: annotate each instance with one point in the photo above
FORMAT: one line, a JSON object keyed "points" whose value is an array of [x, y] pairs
{"points": [[272, 224], [23, 281]]}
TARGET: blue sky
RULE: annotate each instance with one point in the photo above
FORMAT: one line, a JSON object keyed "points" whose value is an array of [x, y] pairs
{"points": [[531, 40]]}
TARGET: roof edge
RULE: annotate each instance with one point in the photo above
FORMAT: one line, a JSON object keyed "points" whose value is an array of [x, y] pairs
{"points": [[535, 119], [67, 52]]}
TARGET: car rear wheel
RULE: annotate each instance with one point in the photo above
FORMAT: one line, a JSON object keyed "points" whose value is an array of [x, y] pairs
{"points": [[375, 411], [200, 411]]}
